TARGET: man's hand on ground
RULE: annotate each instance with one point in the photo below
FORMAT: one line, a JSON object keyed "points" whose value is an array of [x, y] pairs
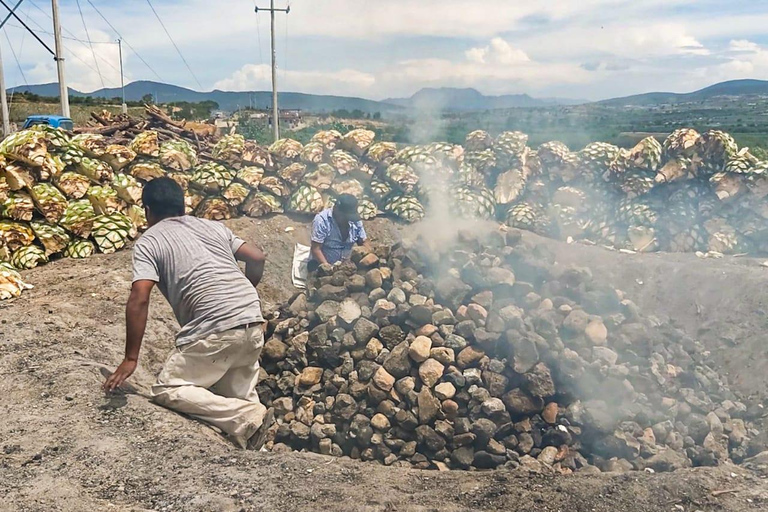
{"points": [[125, 370]]}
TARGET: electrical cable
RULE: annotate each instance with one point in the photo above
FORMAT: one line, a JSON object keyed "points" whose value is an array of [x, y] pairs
{"points": [[173, 43], [90, 44], [125, 41]]}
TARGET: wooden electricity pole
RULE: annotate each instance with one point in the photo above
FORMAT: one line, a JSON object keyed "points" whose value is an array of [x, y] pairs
{"points": [[275, 110], [63, 91]]}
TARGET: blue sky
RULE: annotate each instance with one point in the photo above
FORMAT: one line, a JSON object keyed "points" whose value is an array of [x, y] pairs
{"points": [[589, 49]]}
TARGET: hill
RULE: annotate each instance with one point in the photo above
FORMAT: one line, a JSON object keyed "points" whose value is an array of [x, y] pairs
{"points": [[730, 88], [227, 100], [449, 98]]}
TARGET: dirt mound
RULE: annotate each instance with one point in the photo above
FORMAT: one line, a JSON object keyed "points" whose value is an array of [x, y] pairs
{"points": [[65, 446]]}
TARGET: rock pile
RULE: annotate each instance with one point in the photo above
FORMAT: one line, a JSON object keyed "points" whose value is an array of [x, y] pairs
{"points": [[481, 356]]}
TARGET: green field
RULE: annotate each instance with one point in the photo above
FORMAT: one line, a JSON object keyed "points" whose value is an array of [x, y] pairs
{"points": [[19, 111]]}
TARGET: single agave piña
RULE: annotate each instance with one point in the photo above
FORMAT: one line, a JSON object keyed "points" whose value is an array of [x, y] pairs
{"points": [[53, 238], [78, 218], [146, 170], [15, 235], [146, 143], [79, 248], [381, 154], [118, 156], [11, 283], [478, 140], [293, 173], [229, 148], [405, 207], [306, 199], [403, 177], [18, 206], [211, 178], [285, 151], [255, 155], [177, 155], [95, 170], [105, 200], [26, 146], [235, 194], [138, 216], [111, 232], [260, 204], [17, 177], [474, 203], [357, 141], [128, 188], [328, 138], [28, 257], [681, 143], [250, 176], [93, 145], [343, 161], [192, 200], [49, 201], [55, 138], [312, 153], [214, 208], [275, 186], [321, 178]]}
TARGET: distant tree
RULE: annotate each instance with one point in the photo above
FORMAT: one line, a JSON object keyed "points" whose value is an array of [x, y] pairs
{"points": [[376, 116], [148, 99]]}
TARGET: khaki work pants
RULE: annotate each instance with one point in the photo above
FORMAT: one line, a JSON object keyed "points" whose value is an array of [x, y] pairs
{"points": [[214, 380]]}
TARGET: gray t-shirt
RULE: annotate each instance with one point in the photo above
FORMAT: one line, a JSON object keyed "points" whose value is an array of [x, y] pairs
{"points": [[193, 262]]}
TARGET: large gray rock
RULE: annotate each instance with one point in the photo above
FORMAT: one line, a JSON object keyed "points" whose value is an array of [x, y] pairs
{"points": [[452, 291], [397, 362], [429, 406], [364, 330], [524, 353]]}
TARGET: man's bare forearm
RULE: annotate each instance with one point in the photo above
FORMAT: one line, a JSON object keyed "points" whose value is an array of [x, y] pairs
{"points": [[136, 312], [254, 259], [317, 253]]}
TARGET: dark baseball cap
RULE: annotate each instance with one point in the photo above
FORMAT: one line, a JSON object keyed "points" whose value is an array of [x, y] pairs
{"points": [[347, 206]]}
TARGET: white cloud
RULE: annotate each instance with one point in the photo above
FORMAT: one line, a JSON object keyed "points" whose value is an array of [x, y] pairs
{"points": [[742, 45], [498, 52], [259, 76]]}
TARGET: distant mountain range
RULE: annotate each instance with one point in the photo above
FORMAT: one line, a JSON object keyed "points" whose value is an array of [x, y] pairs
{"points": [[227, 100], [447, 99], [731, 88]]}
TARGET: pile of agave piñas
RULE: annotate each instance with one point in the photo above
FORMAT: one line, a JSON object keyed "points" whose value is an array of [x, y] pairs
{"points": [[73, 195]]}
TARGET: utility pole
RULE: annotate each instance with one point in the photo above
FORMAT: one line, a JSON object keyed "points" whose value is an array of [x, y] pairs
{"points": [[275, 110], [122, 82], [4, 101], [63, 91]]}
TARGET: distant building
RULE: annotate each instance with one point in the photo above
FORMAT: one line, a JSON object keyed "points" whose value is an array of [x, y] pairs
{"points": [[289, 118]]}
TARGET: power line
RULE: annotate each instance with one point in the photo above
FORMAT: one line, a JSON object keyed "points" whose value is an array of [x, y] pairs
{"points": [[174, 44], [16, 58], [88, 37], [42, 30], [124, 40], [47, 32]]}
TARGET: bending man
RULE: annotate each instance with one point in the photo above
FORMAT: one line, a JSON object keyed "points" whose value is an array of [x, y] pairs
{"points": [[335, 231], [211, 374]]}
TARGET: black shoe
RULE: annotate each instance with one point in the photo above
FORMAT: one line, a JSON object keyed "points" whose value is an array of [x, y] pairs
{"points": [[259, 437]]}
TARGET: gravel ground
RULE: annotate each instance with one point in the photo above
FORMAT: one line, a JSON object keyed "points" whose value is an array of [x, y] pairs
{"points": [[64, 445]]}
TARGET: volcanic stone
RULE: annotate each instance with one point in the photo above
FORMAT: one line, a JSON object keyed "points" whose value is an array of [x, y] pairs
{"points": [[380, 422], [549, 414], [498, 276], [576, 322], [310, 376], [452, 291], [443, 317], [538, 382], [667, 460], [521, 403], [483, 429], [275, 349], [405, 385], [383, 308], [397, 362], [445, 391], [469, 356], [419, 349], [596, 332], [383, 379], [455, 342], [429, 406], [391, 335], [397, 296], [364, 330], [484, 298], [427, 437], [369, 261], [373, 348], [349, 312], [477, 314], [493, 406], [430, 372], [463, 457], [299, 430], [327, 310], [525, 355], [605, 355], [330, 292], [420, 315], [444, 355]]}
